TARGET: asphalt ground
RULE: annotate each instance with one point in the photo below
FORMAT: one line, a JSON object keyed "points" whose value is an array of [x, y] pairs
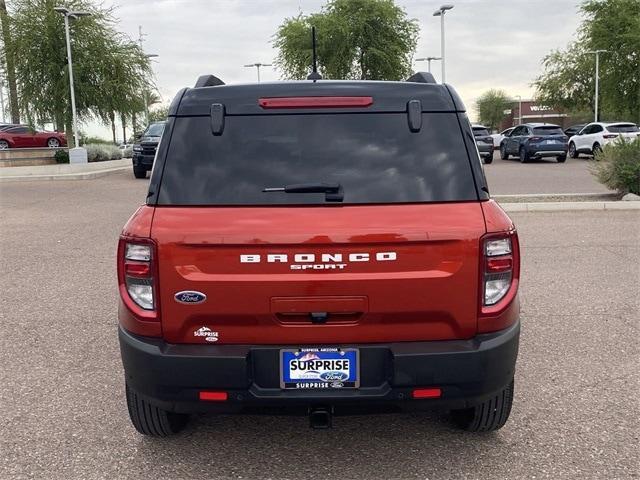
{"points": [[510, 177], [576, 412]]}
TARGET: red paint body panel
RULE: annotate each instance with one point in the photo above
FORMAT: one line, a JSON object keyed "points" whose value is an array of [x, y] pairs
{"points": [[429, 292]]}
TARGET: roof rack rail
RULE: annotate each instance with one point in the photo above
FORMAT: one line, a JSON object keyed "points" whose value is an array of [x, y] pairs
{"points": [[208, 81], [421, 77]]}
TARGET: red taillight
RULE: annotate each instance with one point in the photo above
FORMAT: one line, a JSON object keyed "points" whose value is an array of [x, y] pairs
{"points": [[419, 393], [315, 102], [610, 135], [499, 270], [213, 396], [137, 277], [535, 139]]}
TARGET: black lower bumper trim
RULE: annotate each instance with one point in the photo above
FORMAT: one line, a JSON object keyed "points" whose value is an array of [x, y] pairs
{"points": [[467, 371]]}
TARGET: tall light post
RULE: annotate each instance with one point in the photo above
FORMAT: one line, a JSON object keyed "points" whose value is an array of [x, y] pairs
{"points": [[258, 65], [428, 60], [440, 13], [519, 97], [144, 94], [77, 154], [597, 54]]}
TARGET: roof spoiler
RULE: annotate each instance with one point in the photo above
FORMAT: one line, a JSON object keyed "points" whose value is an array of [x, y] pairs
{"points": [[422, 77], [208, 81]]}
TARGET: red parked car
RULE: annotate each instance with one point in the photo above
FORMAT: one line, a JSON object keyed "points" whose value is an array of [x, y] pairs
{"points": [[22, 136], [318, 247]]}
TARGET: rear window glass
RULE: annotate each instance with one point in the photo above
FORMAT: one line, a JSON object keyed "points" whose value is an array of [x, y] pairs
{"points": [[623, 128], [480, 131], [547, 131], [374, 157]]}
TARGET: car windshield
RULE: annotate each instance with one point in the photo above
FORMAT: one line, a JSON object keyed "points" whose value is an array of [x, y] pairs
{"points": [[623, 128], [375, 158], [550, 130], [480, 131], [154, 130]]}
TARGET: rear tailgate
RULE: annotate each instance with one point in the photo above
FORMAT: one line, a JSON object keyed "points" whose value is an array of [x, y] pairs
{"points": [[380, 273]]}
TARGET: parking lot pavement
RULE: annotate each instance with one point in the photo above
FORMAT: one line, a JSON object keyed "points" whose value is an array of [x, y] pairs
{"points": [[576, 413], [510, 177]]}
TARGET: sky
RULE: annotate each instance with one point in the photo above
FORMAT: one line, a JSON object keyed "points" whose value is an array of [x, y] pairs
{"points": [[489, 43]]}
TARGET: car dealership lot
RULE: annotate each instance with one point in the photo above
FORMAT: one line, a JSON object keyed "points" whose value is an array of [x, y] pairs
{"points": [[576, 410]]}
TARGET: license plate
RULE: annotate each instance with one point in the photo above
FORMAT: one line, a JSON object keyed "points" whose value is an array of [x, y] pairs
{"points": [[550, 142], [319, 368]]}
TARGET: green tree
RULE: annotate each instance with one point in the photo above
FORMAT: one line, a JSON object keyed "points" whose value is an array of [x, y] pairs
{"points": [[491, 106], [356, 39], [568, 80], [110, 70], [9, 63], [158, 114]]}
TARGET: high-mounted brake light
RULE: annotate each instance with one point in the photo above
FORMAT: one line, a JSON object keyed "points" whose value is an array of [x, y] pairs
{"points": [[314, 102]]}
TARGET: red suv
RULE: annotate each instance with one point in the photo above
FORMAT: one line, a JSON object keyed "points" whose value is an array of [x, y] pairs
{"points": [[23, 136], [320, 247]]}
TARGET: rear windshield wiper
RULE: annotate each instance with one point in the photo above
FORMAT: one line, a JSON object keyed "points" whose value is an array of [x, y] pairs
{"points": [[333, 191]]}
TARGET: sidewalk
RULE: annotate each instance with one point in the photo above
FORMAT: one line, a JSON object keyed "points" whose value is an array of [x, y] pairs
{"points": [[63, 171]]}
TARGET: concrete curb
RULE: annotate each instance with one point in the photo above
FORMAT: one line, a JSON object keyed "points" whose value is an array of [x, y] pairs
{"points": [[568, 206], [557, 197], [64, 176]]}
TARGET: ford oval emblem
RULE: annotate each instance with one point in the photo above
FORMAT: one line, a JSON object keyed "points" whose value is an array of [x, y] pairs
{"points": [[189, 296], [333, 376]]}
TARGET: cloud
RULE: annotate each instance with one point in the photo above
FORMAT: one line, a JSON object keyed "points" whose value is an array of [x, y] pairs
{"points": [[489, 43]]}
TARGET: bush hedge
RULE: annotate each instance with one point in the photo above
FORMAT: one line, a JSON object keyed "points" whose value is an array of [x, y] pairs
{"points": [[618, 166], [61, 156], [102, 152]]}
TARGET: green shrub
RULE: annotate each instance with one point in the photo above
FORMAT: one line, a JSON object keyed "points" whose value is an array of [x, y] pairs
{"points": [[87, 140], [618, 166], [61, 156], [102, 152]]}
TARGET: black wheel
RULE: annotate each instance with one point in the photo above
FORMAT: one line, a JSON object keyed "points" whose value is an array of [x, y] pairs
{"points": [[139, 172], [488, 416], [53, 143], [4, 144], [573, 151], [503, 152], [524, 156], [488, 160], [596, 150], [561, 158], [151, 420]]}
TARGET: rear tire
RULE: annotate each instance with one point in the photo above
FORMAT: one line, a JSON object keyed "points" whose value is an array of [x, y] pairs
{"points": [[4, 145], [487, 416], [573, 151], [488, 160], [596, 150], [139, 172], [524, 156], [561, 158], [151, 420], [503, 152], [53, 143]]}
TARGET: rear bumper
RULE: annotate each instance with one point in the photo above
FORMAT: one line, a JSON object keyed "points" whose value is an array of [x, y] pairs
{"points": [[547, 150], [485, 149], [467, 371]]}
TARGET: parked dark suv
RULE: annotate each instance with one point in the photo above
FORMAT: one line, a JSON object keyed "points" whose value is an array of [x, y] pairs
{"points": [[318, 247], [484, 141], [534, 141], [144, 150]]}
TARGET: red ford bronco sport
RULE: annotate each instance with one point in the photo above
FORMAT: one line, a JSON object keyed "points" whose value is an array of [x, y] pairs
{"points": [[318, 246]]}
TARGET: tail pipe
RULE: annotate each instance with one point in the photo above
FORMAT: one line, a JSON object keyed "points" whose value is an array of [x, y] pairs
{"points": [[320, 417]]}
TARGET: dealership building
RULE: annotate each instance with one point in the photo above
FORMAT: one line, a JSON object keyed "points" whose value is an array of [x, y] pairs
{"points": [[534, 112]]}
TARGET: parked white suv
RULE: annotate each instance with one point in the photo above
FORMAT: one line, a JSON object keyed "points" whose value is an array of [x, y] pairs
{"points": [[596, 135]]}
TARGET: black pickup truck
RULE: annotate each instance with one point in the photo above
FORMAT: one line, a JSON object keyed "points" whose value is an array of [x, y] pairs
{"points": [[144, 150]]}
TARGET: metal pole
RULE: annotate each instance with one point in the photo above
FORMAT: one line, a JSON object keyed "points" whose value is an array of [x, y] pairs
{"points": [[144, 92], [429, 65], [597, 81], [73, 96], [258, 69], [442, 43], [2, 98]]}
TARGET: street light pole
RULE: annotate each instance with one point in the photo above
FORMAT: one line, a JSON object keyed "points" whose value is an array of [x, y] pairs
{"points": [[440, 13], [519, 97], [80, 155], [428, 60], [258, 65], [597, 53]]}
